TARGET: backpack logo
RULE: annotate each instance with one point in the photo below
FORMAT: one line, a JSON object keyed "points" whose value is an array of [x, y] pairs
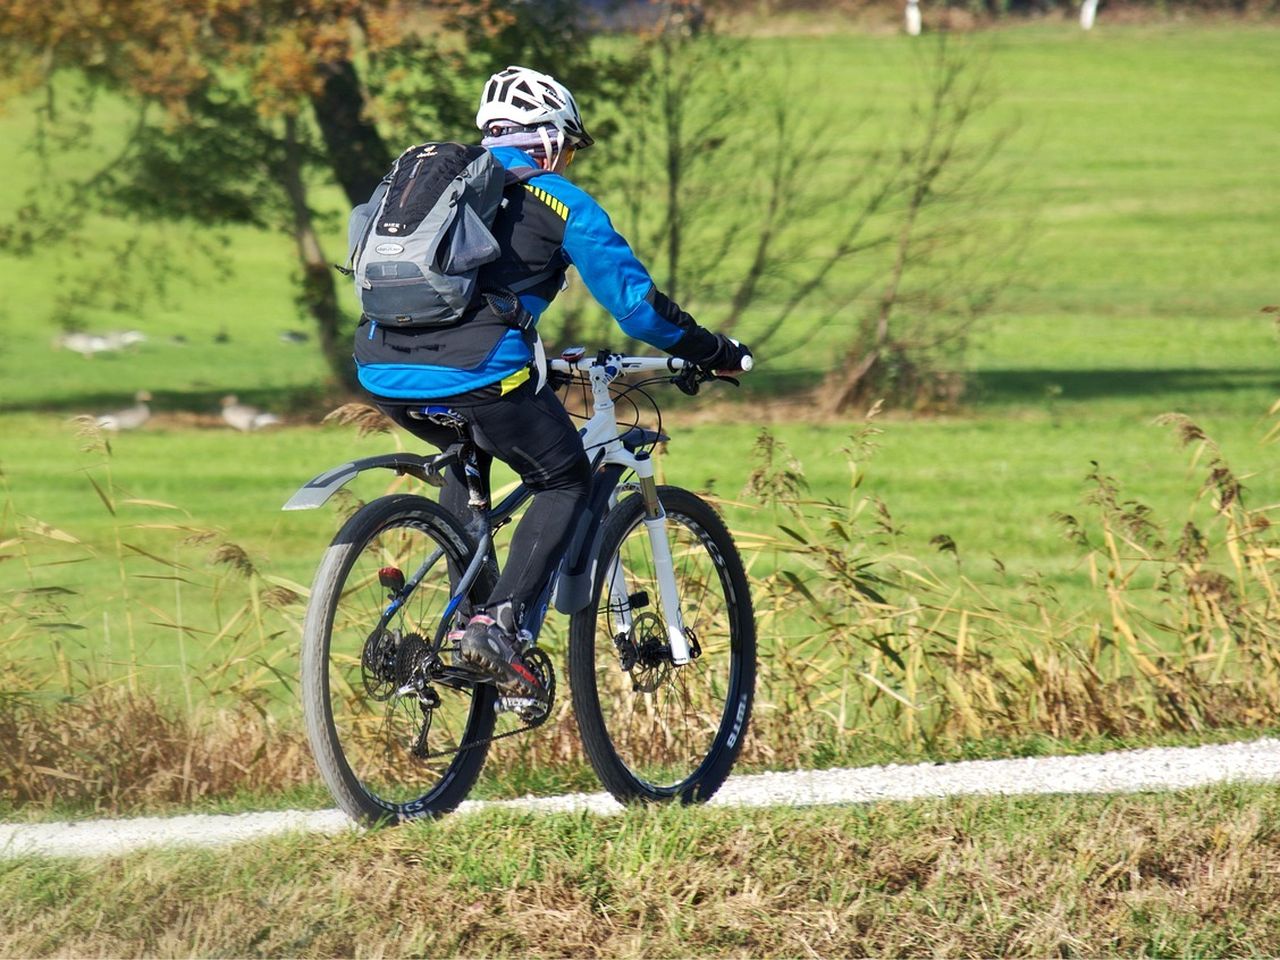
{"points": [[388, 249]]}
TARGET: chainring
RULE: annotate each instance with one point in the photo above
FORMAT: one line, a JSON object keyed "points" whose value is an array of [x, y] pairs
{"points": [[536, 659], [540, 664]]}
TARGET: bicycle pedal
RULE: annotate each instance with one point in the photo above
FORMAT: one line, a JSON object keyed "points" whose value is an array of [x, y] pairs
{"points": [[529, 708]]}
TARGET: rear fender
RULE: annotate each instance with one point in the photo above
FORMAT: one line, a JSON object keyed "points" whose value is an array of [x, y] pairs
{"points": [[317, 491]]}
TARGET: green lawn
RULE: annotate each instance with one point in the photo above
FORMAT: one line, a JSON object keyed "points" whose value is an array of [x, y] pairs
{"points": [[1145, 150]]}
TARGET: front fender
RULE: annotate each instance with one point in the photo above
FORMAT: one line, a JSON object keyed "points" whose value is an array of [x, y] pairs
{"points": [[316, 491]]}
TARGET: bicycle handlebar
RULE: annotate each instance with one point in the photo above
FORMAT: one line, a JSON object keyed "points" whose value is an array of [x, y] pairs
{"points": [[568, 363]]}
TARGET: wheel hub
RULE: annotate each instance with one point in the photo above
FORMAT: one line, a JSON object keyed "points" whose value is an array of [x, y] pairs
{"points": [[652, 653]]}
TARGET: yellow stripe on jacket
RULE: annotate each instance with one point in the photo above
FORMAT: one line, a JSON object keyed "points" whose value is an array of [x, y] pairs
{"points": [[557, 206]]}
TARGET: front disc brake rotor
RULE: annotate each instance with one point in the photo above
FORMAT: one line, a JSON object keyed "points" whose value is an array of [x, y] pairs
{"points": [[653, 653]]}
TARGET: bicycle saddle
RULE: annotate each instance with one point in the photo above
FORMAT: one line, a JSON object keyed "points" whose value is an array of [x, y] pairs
{"points": [[441, 417]]}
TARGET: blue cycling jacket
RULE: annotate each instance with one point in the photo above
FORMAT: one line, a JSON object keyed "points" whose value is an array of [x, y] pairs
{"points": [[546, 225]]}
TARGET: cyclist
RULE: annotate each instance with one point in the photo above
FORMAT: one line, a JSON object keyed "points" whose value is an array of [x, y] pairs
{"points": [[485, 373]]}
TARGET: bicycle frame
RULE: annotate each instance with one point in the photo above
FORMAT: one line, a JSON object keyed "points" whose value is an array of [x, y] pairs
{"points": [[571, 584]]}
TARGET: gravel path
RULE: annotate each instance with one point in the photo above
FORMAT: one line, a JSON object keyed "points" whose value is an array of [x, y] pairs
{"points": [[1159, 768]]}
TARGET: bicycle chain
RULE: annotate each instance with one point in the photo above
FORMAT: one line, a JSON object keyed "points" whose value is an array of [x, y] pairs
{"points": [[488, 740]]}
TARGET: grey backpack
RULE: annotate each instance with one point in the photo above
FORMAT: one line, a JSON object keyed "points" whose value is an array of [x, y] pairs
{"points": [[418, 243]]}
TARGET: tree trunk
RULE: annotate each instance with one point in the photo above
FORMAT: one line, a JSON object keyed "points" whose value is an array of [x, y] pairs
{"points": [[357, 152], [317, 294], [842, 385], [673, 113]]}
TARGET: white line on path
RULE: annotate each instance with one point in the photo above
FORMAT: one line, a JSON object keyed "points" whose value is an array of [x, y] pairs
{"points": [[1123, 771]]}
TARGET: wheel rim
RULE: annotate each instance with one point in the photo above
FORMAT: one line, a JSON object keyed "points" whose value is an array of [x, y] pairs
{"points": [[380, 730], [664, 721]]}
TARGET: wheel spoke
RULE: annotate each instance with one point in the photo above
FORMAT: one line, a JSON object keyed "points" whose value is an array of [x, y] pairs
{"points": [[377, 732], [663, 734]]}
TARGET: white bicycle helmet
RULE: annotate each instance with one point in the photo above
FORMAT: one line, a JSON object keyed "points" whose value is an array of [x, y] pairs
{"points": [[520, 97]]}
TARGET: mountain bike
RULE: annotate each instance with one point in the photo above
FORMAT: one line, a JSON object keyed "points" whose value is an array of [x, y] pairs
{"points": [[661, 640]]}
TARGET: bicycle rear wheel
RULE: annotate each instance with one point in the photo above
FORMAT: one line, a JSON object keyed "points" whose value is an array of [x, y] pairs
{"points": [[654, 730], [385, 719]]}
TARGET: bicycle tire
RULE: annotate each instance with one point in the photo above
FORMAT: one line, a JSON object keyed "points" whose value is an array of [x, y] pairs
{"points": [[339, 743], [627, 759]]}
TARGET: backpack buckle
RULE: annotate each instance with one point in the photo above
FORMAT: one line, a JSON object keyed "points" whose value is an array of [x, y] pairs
{"points": [[440, 416]]}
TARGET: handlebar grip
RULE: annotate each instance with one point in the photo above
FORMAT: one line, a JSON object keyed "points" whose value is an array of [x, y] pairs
{"points": [[747, 364]]}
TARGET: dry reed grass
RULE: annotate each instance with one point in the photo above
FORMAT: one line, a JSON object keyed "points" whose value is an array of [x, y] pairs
{"points": [[1179, 632], [859, 641], [112, 749], [90, 730]]}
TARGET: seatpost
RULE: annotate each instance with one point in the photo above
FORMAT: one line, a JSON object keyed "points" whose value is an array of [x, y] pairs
{"points": [[477, 495]]}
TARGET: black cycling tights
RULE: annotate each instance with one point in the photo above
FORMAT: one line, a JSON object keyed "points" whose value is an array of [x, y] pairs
{"points": [[534, 435]]}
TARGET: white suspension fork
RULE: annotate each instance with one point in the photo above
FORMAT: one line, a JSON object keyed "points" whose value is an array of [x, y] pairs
{"points": [[603, 430], [655, 522], [619, 599]]}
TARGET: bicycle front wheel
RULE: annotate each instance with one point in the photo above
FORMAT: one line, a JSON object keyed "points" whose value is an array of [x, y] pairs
{"points": [[389, 723], [654, 730]]}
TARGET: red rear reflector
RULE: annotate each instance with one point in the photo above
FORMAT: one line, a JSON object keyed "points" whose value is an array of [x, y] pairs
{"points": [[392, 578]]}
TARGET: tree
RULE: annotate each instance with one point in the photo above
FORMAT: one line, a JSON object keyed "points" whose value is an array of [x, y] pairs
{"points": [[949, 258], [770, 219], [242, 104]]}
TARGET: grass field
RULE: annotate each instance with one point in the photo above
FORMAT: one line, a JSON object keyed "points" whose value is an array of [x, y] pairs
{"points": [[1181, 874], [1146, 150]]}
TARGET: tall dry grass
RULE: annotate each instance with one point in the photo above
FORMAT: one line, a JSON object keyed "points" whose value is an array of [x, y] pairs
{"points": [[1177, 633], [108, 748], [84, 721], [860, 641]]}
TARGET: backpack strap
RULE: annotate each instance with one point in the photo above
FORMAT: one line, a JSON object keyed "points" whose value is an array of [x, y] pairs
{"points": [[517, 317], [528, 283], [523, 175]]}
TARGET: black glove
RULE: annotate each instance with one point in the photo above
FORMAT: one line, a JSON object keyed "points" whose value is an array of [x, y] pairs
{"points": [[727, 356]]}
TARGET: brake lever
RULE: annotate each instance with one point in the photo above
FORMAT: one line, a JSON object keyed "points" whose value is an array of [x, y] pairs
{"points": [[687, 381], [690, 379]]}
